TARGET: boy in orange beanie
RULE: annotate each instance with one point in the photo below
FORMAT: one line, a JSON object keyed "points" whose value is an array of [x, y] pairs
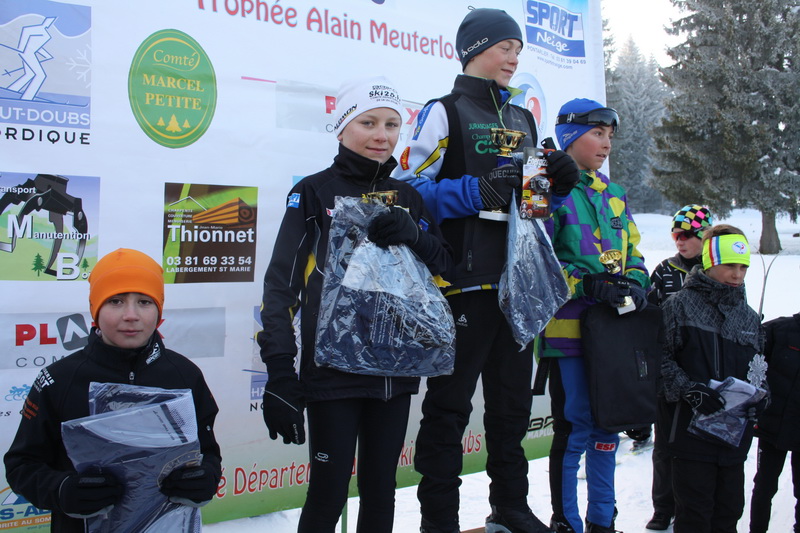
{"points": [[126, 298]]}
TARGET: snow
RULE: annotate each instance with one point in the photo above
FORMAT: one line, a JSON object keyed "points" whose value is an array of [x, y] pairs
{"points": [[634, 472]]}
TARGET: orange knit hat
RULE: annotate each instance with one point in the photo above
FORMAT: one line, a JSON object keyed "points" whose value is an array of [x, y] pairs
{"points": [[125, 270]]}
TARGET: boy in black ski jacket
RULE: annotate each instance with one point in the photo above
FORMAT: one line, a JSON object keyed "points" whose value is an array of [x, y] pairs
{"points": [[777, 429], [710, 333]]}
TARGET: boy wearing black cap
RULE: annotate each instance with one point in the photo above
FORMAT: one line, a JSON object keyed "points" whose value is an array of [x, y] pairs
{"points": [[126, 298], [450, 159]]}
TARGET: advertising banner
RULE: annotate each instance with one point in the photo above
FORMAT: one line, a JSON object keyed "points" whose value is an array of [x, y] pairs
{"points": [[177, 128]]}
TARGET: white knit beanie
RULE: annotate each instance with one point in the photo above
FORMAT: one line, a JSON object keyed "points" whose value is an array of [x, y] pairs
{"points": [[361, 95]]}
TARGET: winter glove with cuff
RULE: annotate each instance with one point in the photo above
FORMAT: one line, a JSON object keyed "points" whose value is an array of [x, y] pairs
{"points": [[194, 486], [563, 170], [393, 227], [606, 288], [89, 494], [497, 185], [754, 411], [704, 399], [638, 295], [284, 402]]}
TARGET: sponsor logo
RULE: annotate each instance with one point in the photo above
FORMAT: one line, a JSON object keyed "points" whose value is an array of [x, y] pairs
{"points": [[294, 200], [17, 512], [462, 321], [616, 223], [46, 83], [554, 28], [477, 44], [47, 226], [17, 394], [172, 88]]}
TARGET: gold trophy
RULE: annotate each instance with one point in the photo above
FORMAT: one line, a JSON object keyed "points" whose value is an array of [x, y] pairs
{"points": [[610, 259], [506, 141], [383, 197]]}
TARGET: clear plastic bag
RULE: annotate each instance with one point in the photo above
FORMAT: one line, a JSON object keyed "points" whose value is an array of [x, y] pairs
{"points": [[381, 313], [728, 426], [532, 286], [140, 435]]}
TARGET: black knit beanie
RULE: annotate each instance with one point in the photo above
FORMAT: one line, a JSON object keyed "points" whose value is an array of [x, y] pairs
{"points": [[482, 28]]}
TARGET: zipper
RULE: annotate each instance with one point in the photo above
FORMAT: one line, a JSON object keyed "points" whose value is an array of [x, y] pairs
{"points": [[387, 388], [132, 377], [716, 358]]}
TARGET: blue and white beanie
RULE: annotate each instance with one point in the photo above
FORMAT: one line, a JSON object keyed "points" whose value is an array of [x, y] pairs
{"points": [[567, 133]]}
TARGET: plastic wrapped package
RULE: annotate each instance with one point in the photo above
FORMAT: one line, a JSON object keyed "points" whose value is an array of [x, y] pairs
{"points": [[728, 425], [532, 286], [381, 313], [139, 434]]}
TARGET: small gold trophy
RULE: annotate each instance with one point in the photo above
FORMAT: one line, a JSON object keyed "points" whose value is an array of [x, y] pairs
{"points": [[610, 259], [506, 141], [383, 197]]}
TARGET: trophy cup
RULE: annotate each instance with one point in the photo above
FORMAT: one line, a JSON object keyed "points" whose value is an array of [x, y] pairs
{"points": [[610, 259], [506, 141], [386, 198]]}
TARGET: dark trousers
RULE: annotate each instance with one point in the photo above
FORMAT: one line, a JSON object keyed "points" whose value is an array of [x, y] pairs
{"points": [[484, 348], [334, 426], [770, 465], [663, 498], [709, 498]]}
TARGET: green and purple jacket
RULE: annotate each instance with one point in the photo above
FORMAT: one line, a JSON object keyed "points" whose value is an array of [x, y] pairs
{"points": [[594, 218]]}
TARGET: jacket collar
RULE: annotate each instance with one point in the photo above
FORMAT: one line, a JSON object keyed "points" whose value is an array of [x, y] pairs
{"points": [[360, 169], [121, 358]]}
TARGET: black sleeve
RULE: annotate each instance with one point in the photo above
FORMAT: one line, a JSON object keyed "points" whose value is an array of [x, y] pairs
{"points": [[33, 462]]}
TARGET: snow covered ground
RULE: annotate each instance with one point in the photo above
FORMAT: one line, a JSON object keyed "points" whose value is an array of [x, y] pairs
{"points": [[634, 472]]}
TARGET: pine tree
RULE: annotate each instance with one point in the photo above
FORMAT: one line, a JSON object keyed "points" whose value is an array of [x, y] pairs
{"points": [[730, 138], [634, 89]]}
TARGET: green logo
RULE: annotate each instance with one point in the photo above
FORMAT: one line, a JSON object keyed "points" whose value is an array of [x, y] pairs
{"points": [[172, 88]]}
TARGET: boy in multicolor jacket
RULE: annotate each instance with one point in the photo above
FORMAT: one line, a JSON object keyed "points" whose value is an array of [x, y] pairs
{"points": [[595, 218]]}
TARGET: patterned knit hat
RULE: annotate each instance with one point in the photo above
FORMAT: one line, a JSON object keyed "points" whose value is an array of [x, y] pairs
{"points": [[693, 218], [121, 271]]}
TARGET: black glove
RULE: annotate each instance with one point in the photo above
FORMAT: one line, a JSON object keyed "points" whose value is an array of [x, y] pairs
{"points": [[496, 186], [393, 227], [606, 288], [89, 494], [283, 410], [194, 486], [754, 411], [640, 434], [704, 399], [563, 170], [638, 294]]}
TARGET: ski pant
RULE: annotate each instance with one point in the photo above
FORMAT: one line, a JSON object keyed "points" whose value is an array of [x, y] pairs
{"points": [[709, 498], [663, 498], [576, 433], [484, 348], [770, 465], [334, 426]]}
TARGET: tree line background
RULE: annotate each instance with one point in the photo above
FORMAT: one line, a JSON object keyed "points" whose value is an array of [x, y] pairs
{"points": [[721, 125]]}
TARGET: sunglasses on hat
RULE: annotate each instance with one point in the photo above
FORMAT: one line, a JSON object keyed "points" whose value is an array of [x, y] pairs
{"points": [[603, 116], [685, 235]]}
